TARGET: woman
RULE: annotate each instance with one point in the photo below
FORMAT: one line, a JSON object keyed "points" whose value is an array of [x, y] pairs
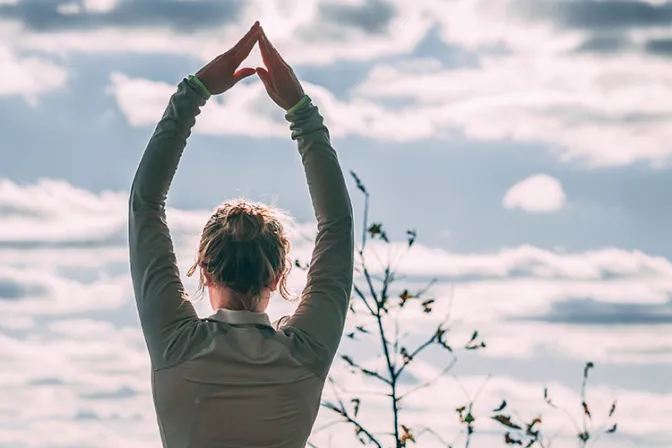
{"points": [[234, 379]]}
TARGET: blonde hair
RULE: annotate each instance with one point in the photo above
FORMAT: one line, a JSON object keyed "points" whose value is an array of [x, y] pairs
{"points": [[245, 248]]}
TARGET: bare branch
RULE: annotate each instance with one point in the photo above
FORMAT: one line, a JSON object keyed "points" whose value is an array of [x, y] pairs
{"points": [[364, 370], [416, 352], [435, 434], [347, 418], [431, 381], [369, 281], [363, 297]]}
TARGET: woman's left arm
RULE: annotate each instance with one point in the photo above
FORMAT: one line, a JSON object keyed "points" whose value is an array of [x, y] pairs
{"points": [[164, 312], [159, 292]]}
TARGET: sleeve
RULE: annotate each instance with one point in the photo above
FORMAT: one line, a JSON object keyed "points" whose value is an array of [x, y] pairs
{"points": [[165, 316], [324, 304]]}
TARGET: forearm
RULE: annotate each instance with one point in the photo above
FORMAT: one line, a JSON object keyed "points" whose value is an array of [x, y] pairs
{"points": [[328, 191], [162, 155]]}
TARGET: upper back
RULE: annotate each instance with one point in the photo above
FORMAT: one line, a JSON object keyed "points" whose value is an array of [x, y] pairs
{"points": [[246, 385]]}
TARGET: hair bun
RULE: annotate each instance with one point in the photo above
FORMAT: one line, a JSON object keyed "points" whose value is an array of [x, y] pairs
{"points": [[243, 223]]}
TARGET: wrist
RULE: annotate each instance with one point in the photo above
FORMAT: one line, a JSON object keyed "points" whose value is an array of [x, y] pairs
{"points": [[199, 85], [304, 99]]}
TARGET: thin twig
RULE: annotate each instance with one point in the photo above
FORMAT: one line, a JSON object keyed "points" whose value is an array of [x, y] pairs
{"points": [[416, 352], [431, 381], [344, 413], [435, 434]]}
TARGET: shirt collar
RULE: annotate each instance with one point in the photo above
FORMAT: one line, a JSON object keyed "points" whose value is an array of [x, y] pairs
{"points": [[241, 317]]}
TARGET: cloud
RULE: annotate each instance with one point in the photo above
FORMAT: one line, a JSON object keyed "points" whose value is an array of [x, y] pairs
{"points": [[659, 47], [28, 76], [432, 407], [374, 16], [590, 311], [75, 262], [92, 377], [308, 32], [534, 77], [184, 17], [597, 15], [536, 194], [247, 110]]}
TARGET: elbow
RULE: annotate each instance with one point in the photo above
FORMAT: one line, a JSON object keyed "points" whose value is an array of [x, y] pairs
{"points": [[137, 201], [340, 223]]}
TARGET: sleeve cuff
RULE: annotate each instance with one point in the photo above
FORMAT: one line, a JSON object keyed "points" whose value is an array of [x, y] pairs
{"points": [[199, 85], [298, 105]]}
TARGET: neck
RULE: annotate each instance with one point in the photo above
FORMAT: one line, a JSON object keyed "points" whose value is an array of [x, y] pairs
{"points": [[225, 298]]}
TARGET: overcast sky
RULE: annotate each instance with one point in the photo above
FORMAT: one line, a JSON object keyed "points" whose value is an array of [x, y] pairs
{"points": [[527, 141]]}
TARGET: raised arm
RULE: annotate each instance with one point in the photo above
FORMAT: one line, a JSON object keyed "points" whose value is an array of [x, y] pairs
{"points": [[159, 292], [324, 305]]}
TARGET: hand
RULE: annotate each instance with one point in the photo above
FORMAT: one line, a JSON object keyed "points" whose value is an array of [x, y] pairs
{"points": [[279, 79], [220, 74]]}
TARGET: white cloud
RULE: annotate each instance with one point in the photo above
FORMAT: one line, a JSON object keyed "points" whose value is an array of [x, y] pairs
{"points": [[100, 6], [95, 371], [69, 8], [604, 109], [303, 35], [435, 406], [247, 110], [608, 109], [536, 194], [56, 274], [28, 76]]}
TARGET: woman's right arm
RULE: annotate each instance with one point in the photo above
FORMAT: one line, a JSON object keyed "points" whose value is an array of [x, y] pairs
{"points": [[326, 297]]}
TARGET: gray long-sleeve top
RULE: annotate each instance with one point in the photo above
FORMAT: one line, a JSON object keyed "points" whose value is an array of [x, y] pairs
{"points": [[235, 379]]}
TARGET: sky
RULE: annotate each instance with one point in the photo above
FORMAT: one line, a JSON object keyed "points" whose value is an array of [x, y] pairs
{"points": [[527, 141]]}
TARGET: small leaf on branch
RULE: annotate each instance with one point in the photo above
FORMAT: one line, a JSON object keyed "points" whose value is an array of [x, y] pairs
{"points": [[362, 329], [356, 402], [589, 365], [534, 422], [412, 235], [583, 436], [510, 441], [406, 435], [427, 305], [529, 430], [348, 359], [351, 335], [404, 296], [375, 229], [405, 355], [613, 409], [469, 419], [475, 347], [506, 421], [358, 182], [586, 410], [501, 406], [547, 398], [612, 429], [473, 337], [298, 265]]}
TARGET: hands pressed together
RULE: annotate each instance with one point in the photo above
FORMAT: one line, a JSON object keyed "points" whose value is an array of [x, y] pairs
{"points": [[279, 79]]}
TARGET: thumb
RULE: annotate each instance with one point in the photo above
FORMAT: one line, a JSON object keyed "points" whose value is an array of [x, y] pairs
{"points": [[265, 78], [268, 83], [242, 74]]}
